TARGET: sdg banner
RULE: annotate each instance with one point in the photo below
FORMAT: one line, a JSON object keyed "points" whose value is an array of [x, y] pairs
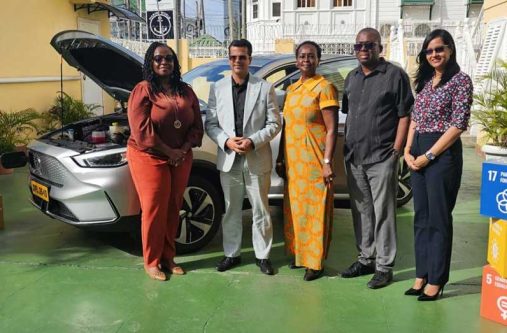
{"points": [[160, 24], [494, 190]]}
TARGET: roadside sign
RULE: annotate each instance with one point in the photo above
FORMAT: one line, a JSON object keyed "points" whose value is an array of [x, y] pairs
{"points": [[160, 25], [494, 190]]}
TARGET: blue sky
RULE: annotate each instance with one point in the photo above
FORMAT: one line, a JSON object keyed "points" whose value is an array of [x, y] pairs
{"points": [[213, 12]]}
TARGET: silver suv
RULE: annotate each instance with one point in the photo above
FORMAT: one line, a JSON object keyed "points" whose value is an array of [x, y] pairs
{"points": [[78, 180]]}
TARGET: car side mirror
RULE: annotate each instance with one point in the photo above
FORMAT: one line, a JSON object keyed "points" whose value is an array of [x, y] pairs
{"points": [[12, 160], [280, 98]]}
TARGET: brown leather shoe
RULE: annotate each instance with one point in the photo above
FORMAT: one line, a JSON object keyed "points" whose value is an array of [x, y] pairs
{"points": [[155, 273]]}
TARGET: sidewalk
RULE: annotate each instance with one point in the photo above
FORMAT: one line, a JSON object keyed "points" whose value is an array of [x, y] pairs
{"points": [[56, 278]]}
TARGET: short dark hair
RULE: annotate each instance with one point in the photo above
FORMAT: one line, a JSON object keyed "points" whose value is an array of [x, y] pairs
{"points": [[312, 43], [372, 31], [241, 43], [425, 71]]}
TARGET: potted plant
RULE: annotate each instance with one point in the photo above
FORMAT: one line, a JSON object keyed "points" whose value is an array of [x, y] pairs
{"points": [[492, 113], [73, 110], [16, 128]]}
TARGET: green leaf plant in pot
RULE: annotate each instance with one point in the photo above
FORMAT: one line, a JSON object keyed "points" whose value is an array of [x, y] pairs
{"points": [[16, 129], [73, 110], [491, 113]]}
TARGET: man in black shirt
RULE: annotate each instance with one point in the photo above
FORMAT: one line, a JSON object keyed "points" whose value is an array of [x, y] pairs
{"points": [[377, 98]]}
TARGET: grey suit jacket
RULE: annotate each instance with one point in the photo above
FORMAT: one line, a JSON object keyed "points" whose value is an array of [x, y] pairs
{"points": [[261, 122]]}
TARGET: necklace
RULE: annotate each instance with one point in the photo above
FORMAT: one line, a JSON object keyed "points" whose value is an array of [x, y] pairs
{"points": [[177, 123]]}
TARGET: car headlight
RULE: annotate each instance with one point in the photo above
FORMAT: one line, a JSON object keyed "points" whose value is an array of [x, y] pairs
{"points": [[101, 160]]}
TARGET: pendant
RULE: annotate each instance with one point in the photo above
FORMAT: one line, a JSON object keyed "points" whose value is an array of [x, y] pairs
{"points": [[177, 123]]}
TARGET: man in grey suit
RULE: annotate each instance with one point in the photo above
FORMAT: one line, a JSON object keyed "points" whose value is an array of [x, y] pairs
{"points": [[242, 119]]}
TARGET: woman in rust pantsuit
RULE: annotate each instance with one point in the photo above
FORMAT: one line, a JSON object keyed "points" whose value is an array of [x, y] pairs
{"points": [[165, 123]]}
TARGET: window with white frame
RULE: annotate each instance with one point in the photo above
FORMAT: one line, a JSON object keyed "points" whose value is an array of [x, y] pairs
{"points": [[255, 9], [342, 3], [306, 3], [276, 10]]}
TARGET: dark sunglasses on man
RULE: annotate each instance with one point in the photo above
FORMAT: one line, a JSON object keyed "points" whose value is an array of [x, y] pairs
{"points": [[240, 57], [159, 58], [367, 46]]}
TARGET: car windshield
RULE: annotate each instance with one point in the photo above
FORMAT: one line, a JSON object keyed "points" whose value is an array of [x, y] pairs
{"points": [[201, 77]]}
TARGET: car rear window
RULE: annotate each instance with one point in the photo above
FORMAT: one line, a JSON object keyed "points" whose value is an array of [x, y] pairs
{"points": [[201, 77]]}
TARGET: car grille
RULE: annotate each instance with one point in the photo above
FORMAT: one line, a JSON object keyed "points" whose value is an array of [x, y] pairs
{"points": [[59, 209], [47, 168], [54, 207]]}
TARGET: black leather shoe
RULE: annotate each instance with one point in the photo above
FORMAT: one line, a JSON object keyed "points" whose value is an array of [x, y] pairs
{"points": [[312, 274], [380, 279], [293, 265], [357, 269], [265, 266], [428, 298], [415, 292], [228, 263]]}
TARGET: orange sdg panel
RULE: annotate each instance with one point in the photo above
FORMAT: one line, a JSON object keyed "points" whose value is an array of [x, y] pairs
{"points": [[494, 296]]}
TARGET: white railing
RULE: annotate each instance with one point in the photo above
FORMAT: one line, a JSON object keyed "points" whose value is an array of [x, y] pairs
{"points": [[218, 51], [133, 45], [411, 34], [396, 44], [264, 35], [465, 50]]}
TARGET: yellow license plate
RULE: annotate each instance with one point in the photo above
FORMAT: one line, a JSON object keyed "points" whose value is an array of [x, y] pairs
{"points": [[40, 190]]}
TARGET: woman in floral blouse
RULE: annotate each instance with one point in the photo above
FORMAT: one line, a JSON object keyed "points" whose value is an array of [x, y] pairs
{"points": [[434, 154]]}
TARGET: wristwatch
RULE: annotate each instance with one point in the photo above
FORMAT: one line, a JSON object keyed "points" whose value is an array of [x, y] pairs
{"points": [[326, 161], [429, 155]]}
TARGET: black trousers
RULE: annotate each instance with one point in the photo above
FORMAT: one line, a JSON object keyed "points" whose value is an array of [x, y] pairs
{"points": [[435, 189]]}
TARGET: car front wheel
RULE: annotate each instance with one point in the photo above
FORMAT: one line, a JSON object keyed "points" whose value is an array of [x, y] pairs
{"points": [[200, 215]]}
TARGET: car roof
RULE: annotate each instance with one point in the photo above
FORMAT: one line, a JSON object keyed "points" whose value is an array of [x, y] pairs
{"points": [[264, 62], [268, 59]]}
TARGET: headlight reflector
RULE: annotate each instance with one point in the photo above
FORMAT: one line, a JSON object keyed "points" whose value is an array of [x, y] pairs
{"points": [[101, 160]]}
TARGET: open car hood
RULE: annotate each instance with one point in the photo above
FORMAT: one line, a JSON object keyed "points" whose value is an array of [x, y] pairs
{"points": [[114, 68]]}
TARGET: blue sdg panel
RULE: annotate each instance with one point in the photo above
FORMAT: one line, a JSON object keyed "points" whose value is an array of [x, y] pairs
{"points": [[494, 190]]}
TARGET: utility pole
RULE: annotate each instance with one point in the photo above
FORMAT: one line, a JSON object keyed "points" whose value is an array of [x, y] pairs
{"points": [[140, 12], [231, 22], [201, 25], [243, 19], [176, 25], [127, 3]]}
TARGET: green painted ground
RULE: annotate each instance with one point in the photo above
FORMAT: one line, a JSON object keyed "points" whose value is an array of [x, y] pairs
{"points": [[56, 278]]}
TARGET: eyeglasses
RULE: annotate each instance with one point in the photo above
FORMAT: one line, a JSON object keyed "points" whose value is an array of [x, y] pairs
{"points": [[367, 46], [169, 58], [240, 57], [438, 49]]}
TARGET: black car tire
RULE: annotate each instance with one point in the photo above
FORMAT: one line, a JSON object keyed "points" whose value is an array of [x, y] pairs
{"points": [[404, 193], [200, 215]]}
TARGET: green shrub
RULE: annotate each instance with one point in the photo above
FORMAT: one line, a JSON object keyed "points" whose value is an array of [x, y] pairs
{"points": [[73, 110], [492, 106], [17, 128]]}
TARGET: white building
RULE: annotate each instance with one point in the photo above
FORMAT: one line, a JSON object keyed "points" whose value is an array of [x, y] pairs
{"points": [[337, 21]]}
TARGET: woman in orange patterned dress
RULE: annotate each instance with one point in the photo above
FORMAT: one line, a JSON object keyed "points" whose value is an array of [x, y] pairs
{"points": [[308, 142]]}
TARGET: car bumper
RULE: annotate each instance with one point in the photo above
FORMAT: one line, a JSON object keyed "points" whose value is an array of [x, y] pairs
{"points": [[76, 195]]}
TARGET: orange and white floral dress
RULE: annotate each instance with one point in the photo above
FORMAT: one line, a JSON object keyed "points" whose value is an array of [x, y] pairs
{"points": [[308, 202]]}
